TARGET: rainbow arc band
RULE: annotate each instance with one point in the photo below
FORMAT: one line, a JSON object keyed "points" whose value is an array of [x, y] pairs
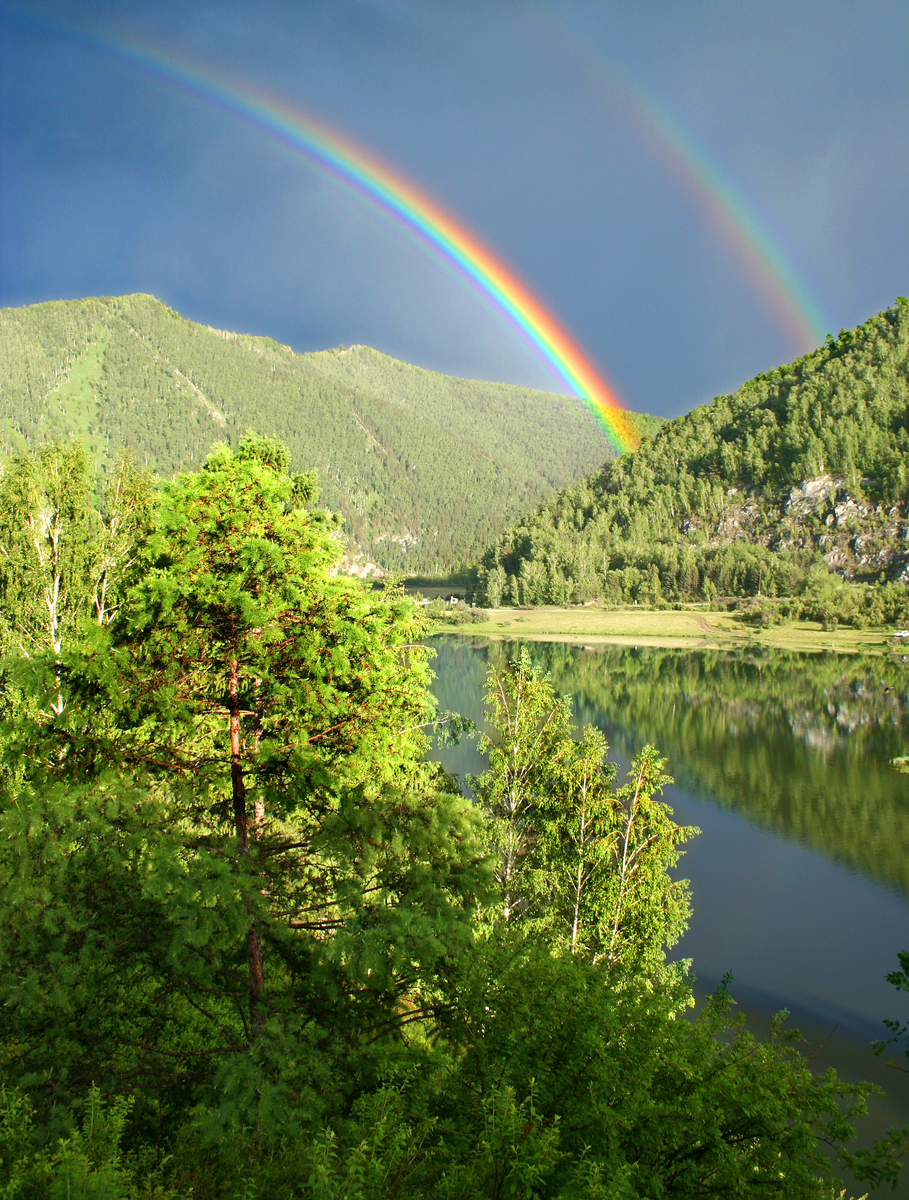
{"points": [[724, 206], [422, 218]]}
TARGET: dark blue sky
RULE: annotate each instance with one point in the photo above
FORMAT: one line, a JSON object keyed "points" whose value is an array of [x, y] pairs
{"points": [[546, 128]]}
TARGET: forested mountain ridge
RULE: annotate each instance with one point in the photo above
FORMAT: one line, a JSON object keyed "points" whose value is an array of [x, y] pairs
{"points": [[425, 468], [803, 471]]}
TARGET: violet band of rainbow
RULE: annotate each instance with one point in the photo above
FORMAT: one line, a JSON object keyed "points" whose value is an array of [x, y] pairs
{"points": [[364, 173], [727, 210]]}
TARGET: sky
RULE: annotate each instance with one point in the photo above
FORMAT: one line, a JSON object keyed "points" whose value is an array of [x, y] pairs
{"points": [[695, 192]]}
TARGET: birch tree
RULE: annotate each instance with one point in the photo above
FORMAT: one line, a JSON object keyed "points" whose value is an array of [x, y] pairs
{"points": [[48, 552], [642, 910], [65, 556], [580, 861], [531, 736], [579, 837]]}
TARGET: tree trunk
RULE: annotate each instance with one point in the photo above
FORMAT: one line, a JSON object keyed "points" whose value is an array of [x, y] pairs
{"points": [[623, 878], [253, 941]]}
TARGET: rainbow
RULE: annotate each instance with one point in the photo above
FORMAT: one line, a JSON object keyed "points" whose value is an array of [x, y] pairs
{"points": [[727, 210], [363, 173]]}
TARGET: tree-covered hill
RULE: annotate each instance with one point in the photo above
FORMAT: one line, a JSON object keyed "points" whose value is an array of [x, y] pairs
{"points": [[426, 469], [800, 476]]}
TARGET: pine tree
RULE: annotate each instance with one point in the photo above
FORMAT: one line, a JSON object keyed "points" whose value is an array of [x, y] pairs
{"points": [[232, 824]]}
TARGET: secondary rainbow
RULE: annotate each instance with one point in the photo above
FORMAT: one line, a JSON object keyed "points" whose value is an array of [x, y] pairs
{"points": [[361, 171], [726, 208]]}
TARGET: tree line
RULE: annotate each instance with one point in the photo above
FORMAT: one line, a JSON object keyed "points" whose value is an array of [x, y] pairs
{"points": [[254, 942]]}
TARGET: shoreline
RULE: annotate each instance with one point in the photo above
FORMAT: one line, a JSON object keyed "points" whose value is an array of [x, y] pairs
{"points": [[670, 629]]}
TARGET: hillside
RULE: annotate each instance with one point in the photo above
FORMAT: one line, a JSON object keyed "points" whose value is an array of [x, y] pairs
{"points": [[802, 472], [426, 469]]}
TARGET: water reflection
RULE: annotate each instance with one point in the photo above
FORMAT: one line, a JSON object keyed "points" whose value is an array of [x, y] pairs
{"points": [[800, 877], [798, 745]]}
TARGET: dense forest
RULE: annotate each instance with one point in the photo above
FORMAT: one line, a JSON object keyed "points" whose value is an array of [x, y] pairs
{"points": [[425, 469], [255, 943], [794, 487]]}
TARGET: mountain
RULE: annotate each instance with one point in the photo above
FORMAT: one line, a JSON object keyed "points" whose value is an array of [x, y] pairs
{"points": [[803, 471], [426, 469]]}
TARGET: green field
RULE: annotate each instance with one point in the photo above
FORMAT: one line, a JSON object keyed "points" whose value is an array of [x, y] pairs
{"points": [[688, 628]]}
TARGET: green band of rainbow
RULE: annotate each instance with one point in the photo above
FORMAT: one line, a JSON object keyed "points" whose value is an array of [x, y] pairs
{"points": [[726, 208], [362, 172]]}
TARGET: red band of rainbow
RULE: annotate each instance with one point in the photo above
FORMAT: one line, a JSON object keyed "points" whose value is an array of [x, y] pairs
{"points": [[362, 172]]}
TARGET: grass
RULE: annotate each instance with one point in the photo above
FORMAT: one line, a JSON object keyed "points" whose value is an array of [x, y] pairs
{"points": [[688, 628]]}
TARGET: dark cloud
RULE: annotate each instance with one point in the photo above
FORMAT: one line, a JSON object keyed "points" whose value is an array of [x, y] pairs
{"points": [[510, 114]]}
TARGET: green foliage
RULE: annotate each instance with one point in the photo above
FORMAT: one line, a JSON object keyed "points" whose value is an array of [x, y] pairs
{"points": [[88, 1164], [899, 1032], [64, 553], [832, 601], [551, 1085], [251, 945], [619, 1094], [532, 730], [714, 504], [49, 547], [882, 1162], [455, 614], [425, 469], [578, 857], [397, 1154], [579, 842], [226, 863]]}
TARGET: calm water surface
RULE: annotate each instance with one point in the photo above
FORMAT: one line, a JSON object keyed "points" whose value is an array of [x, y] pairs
{"points": [[800, 877]]}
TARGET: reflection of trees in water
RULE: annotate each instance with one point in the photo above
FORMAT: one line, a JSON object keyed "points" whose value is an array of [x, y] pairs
{"points": [[797, 744]]}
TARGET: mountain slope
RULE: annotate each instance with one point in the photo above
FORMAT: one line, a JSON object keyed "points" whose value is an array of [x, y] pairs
{"points": [[803, 469], [425, 468]]}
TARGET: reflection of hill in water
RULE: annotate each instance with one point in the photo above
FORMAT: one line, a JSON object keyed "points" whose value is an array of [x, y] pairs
{"points": [[797, 744]]}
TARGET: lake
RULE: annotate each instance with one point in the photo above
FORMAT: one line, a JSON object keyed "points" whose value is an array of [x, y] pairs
{"points": [[800, 876]]}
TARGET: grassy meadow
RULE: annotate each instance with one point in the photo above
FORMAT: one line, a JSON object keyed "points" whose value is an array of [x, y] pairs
{"points": [[686, 628]]}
